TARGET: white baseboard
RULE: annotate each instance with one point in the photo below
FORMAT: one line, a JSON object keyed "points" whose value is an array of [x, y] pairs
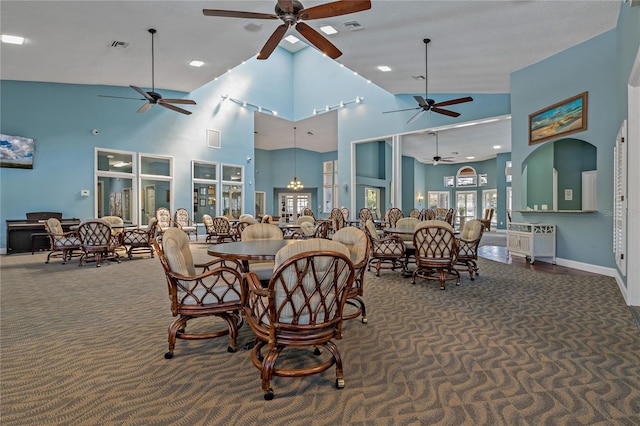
{"points": [[596, 269]]}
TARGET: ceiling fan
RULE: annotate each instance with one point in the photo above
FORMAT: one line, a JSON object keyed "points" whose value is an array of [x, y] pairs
{"points": [[291, 12], [425, 104], [154, 97], [437, 159]]}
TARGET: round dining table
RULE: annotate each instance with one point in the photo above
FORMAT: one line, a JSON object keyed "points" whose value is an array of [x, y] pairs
{"points": [[244, 251]]}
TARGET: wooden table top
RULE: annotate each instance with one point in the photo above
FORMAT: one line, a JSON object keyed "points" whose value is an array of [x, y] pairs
{"points": [[249, 250]]}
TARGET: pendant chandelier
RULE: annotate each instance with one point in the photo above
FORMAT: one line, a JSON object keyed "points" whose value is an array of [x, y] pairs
{"points": [[295, 184]]}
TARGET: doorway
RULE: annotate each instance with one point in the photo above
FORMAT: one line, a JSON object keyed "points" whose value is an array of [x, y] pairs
{"points": [[292, 204]]}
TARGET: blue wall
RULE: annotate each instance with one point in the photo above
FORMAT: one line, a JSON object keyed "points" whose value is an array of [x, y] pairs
{"points": [[592, 67]]}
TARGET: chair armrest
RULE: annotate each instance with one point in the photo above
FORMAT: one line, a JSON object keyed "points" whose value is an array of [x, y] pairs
{"points": [[254, 285]]}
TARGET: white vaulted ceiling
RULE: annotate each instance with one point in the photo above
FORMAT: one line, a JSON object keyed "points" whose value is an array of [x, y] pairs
{"points": [[475, 44]]}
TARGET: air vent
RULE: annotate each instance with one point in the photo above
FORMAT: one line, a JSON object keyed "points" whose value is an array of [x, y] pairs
{"points": [[120, 44], [353, 26]]}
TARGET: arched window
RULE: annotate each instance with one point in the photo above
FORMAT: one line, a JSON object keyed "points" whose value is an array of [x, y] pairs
{"points": [[466, 176]]}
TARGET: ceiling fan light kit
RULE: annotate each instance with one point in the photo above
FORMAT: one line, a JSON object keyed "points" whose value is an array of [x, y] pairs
{"points": [[153, 97], [426, 104], [292, 13]]}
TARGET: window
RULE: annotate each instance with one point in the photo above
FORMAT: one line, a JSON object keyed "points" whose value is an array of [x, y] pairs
{"points": [[438, 199], [232, 190], [115, 173], [490, 201], [372, 199], [329, 185], [466, 204], [466, 177], [292, 204], [205, 189], [156, 182]]}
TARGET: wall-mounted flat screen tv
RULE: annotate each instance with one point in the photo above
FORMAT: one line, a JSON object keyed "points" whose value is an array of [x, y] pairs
{"points": [[16, 152]]}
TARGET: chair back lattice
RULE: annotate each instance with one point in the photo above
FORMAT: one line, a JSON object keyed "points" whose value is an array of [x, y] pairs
{"points": [[414, 213], [308, 289], [221, 225], [393, 215], [95, 234], [307, 211], [435, 245], [337, 219], [182, 217], [164, 218], [345, 213], [363, 215], [240, 227], [322, 230]]}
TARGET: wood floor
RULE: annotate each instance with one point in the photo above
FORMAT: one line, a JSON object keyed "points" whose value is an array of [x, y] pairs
{"points": [[500, 254]]}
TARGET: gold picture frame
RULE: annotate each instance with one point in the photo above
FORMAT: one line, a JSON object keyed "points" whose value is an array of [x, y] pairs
{"points": [[560, 119]]}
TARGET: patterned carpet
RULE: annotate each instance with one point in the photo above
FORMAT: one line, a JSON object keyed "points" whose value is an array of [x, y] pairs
{"points": [[84, 346]]}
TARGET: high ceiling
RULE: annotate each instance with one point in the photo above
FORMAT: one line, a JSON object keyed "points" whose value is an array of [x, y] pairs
{"points": [[475, 44]]}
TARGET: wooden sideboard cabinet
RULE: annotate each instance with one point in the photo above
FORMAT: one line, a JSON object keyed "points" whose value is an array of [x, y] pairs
{"points": [[532, 240]]}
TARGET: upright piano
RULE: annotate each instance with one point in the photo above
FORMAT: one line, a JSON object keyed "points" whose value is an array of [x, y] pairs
{"points": [[19, 232]]}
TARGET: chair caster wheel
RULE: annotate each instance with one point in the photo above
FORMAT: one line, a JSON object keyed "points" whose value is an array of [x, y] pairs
{"points": [[168, 355], [339, 383], [364, 320], [268, 395], [317, 351], [231, 349]]}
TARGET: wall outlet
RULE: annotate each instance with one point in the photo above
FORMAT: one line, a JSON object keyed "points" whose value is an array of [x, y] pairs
{"points": [[84, 192]]}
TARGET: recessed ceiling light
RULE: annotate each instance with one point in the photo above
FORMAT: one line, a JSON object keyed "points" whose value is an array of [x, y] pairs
{"points": [[12, 39], [328, 29], [292, 39], [196, 63], [497, 147], [471, 157], [384, 68]]}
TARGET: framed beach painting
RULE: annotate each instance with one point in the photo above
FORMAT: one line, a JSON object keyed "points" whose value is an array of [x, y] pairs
{"points": [[560, 119]]}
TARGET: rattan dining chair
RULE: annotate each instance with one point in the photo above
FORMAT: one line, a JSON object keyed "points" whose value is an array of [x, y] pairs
{"points": [[302, 306], [199, 290]]}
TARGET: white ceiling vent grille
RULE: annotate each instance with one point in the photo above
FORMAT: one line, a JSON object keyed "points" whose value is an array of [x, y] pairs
{"points": [[353, 26], [120, 44]]}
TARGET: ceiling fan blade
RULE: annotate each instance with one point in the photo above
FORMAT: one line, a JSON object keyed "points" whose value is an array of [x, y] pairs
{"points": [[416, 116], [335, 8], [453, 101], [177, 101], [238, 14], [175, 108], [272, 43], [445, 112], [398, 110], [421, 101], [145, 107], [286, 5], [122, 97], [143, 93], [318, 40]]}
